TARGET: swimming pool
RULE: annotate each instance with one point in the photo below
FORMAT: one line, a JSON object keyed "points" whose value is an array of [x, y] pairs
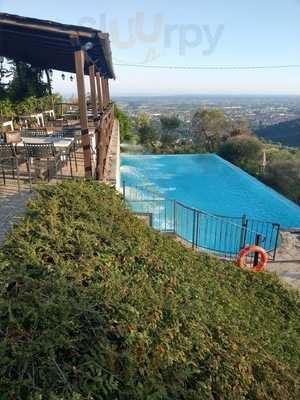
{"points": [[210, 184], [207, 202]]}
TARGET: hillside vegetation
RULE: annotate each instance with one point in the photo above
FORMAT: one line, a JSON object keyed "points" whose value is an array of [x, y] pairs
{"points": [[287, 133], [96, 305]]}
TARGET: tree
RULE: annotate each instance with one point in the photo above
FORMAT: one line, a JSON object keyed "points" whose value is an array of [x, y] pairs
{"points": [[145, 129], [169, 126], [210, 128], [243, 151], [125, 125], [169, 123], [284, 176], [27, 81], [241, 127]]}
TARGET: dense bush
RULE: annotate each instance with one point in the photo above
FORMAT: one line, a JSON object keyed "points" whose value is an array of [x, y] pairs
{"points": [[7, 109], [125, 124], [30, 105], [243, 151], [95, 305], [284, 176]]}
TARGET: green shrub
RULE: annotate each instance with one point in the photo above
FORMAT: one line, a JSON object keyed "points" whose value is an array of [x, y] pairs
{"points": [[6, 109], [95, 305], [30, 105], [243, 151], [284, 176]]}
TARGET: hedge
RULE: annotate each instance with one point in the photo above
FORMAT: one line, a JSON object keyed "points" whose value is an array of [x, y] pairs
{"points": [[96, 305], [28, 106]]}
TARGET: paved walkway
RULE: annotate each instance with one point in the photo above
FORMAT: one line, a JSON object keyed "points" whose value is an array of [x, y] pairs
{"points": [[287, 264], [11, 207], [288, 271]]}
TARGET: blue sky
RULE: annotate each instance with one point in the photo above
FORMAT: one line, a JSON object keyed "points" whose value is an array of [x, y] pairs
{"points": [[187, 33]]}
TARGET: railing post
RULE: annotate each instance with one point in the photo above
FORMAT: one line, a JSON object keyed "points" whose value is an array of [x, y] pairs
{"points": [[175, 221], [258, 242], [194, 228], [243, 232], [166, 202], [197, 228], [124, 190], [276, 241]]}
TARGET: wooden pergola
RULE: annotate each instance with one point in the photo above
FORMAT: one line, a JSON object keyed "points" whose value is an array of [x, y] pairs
{"points": [[73, 49]]}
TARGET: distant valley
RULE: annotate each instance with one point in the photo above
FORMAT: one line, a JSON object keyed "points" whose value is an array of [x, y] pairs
{"points": [[287, 133]]}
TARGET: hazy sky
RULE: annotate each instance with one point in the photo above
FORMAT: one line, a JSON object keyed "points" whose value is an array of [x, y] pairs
{"points": [[187, 33]]}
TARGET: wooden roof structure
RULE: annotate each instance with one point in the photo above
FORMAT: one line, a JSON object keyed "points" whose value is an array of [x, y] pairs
{"points": [[74, 49], [51, 45]]}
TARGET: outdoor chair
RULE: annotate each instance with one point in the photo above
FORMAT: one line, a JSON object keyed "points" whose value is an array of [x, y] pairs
{"points": [[34, 132], [43, 154], [71, 151], [9, 160], [72, 133]]}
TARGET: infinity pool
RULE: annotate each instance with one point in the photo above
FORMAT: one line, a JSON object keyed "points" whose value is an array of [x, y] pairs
{"points": [[209, 183]]}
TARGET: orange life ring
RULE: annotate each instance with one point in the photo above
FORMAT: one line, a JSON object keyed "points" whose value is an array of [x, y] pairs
{"points": [[241, 261]]}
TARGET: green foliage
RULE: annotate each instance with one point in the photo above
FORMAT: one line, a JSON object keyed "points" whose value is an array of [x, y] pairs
{"points": [[96, 305], [181, 148], [145, 130], [243, 151], [27, 81], [169, 126], [125, 125], [210, 128], [30, 105], [7, 109], [284, 176], [240, 127]]}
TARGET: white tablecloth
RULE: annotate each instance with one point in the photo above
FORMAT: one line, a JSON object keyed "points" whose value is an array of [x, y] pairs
{"points": [[59, 143]]}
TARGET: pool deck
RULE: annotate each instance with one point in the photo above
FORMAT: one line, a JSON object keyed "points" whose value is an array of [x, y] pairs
{"points": [[289, 272], [287, 264]]}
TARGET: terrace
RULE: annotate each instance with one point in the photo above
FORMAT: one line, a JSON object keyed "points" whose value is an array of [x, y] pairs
{"points": [[79, 141], [74, 141]]}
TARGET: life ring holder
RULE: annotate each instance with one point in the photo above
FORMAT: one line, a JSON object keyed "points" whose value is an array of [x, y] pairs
{"points": [[242, 258]]}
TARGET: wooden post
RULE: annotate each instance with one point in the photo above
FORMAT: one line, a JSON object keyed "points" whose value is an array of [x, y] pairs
{"points": [[100, 97], [93, 92], [79, 65], [108, 92], [104, 92]]}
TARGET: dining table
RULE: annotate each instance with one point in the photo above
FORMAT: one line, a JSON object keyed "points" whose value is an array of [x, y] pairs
{"points": [[60, 143]]}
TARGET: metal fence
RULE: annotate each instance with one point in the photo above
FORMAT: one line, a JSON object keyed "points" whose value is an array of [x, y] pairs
{"points": [[223, 236]]}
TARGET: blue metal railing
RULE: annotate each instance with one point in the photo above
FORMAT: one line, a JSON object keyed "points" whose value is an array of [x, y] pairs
{"points": [[221, 235]]}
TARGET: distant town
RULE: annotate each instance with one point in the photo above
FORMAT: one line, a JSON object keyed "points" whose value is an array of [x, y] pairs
{"points": [[259, 111]]}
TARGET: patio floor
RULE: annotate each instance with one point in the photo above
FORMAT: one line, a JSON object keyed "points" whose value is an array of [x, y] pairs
{"points": [[13, 203], [11, 208]]}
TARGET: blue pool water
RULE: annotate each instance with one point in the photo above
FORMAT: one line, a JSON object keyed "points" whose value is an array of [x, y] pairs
{"points": [[209, 183]]}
